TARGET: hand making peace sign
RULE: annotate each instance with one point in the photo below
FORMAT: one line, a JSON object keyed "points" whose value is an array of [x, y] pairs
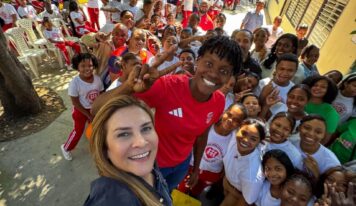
{"points": [[142, 77]]}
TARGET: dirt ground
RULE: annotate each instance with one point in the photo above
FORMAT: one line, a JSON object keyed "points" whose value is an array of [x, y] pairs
{"points": [[52, 107]]}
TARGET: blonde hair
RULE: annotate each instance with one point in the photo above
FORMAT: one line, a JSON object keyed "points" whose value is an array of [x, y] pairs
{"points": [[98, 147]]}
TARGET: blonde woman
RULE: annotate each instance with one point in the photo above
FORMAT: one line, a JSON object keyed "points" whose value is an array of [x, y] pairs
{"points": [[124, 146]]}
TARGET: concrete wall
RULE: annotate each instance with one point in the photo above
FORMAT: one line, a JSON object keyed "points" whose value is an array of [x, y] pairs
{"points": [[338, 51]]}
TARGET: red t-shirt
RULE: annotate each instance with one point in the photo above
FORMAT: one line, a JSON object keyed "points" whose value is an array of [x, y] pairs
{"points": [[206, 23], [179, 118]]}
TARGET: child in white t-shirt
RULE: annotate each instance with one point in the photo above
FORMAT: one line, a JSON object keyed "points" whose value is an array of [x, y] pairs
{"points": [[172, 59], [316, 157], [211, 165], [83, 90], [54, 35], [8, 14], [79, 21], [277, 167], [27, 11], [345, 100], [242, 163], [280, 128]]}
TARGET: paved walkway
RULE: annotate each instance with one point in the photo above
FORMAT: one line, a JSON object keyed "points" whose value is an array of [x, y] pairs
{"points": [[32, 170]]}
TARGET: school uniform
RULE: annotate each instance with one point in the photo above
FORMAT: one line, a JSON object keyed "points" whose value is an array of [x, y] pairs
{"points": [[83, 28], [87, 93], [93, 11], [55, 34], [244, 173], [28, 11], [265, 197], [6, 12], [344, 106], [283, 90], [325, 158], [211, 165], [291, 151]]}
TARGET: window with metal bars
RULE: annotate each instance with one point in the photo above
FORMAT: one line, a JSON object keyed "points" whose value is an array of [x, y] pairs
{"points": [[296, 11], [322, 26]]}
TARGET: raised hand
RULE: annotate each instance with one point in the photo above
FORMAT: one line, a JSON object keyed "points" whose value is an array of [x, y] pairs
{"points": [[142, 77], [238, 96], [266, 91], [339, 198], [273, 98]]}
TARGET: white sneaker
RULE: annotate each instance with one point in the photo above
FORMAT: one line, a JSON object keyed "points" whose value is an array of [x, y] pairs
{"points": [[67, 155], [69, 68]]}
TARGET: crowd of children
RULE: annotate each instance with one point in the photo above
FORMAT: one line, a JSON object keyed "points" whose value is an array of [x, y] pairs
{"points": [[250, 113], [270, 146]]}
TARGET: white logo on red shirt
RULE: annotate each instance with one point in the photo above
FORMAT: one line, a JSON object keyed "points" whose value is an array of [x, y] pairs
{"points": [[177, 112], [209, 117]]}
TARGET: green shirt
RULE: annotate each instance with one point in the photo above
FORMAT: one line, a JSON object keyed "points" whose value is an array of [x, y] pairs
{"points": [[327, 111], [345, 143]]}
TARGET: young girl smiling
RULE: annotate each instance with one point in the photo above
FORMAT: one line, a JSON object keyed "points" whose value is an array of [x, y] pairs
{"points": [[220, 134], [323, 93], [242, 162], [317, 158], [277, 167], [280, 129]]}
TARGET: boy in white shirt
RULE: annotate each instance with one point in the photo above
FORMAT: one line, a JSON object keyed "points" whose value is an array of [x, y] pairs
{"points": [[51, 11], [286, 68]]}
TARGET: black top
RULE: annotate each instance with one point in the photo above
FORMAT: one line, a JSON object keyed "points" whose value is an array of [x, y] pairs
{"points": [[106, 191], [251, 65]]}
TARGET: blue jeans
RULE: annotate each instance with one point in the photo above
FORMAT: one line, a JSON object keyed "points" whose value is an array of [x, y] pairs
{"points": [[174, 175]]}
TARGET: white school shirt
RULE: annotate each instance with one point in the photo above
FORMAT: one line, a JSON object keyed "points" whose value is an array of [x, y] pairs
{"points": [[93, 4], [291, 151], [137, 12], [165, 64], [325, 158], [265, 197], [115, 16], [54, 34], [76, 15], [344, 106], [87, 92], [6, 12], [214, 151], [28, 11], [283, 91], [274, 35], [116, 83], [244, 172], [55, 14]]}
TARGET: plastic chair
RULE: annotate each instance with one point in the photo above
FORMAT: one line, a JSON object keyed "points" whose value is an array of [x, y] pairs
{"points": [[28, 25], [24, 59], [59, 23], [39, 42], [17, 36]]}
